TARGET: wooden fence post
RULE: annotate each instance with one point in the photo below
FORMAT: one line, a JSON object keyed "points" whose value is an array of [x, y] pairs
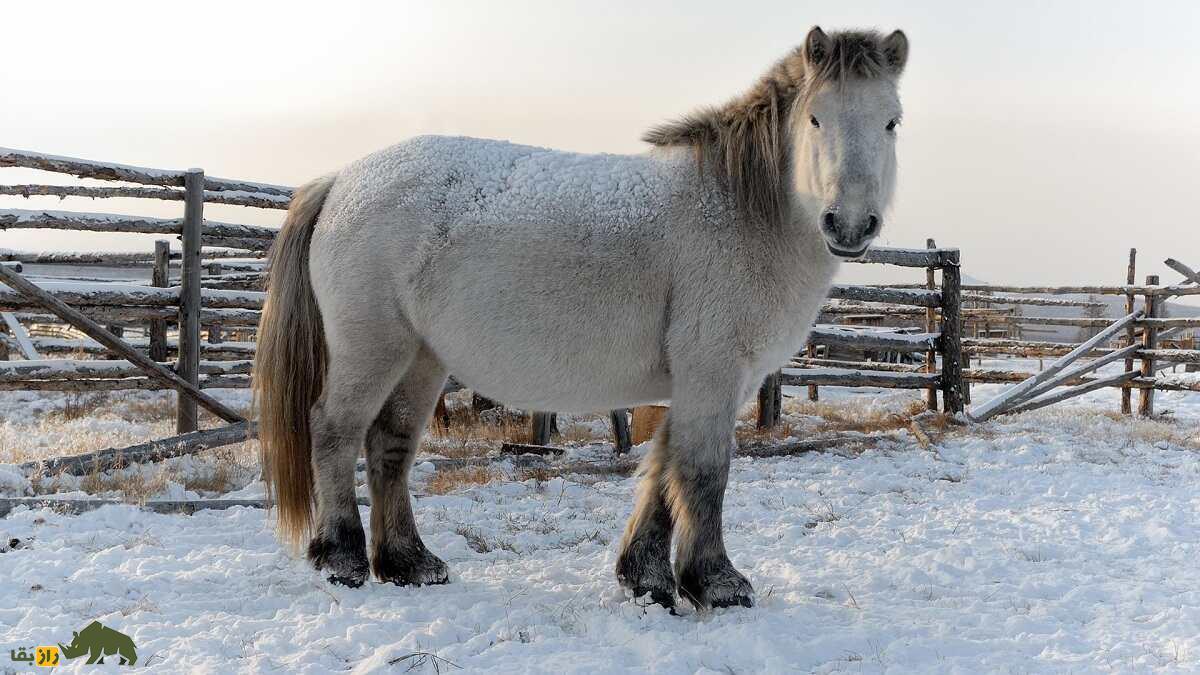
{"points": [[931, 402], [214, 329], [160, 277], [1130, 278], [539, 428], [620, 424], [770, 396], [1149, 341], [187, 364], [813, 393], [954, 394]]}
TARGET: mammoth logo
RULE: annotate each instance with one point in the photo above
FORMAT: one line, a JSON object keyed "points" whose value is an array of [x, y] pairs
{"points": [[98, 642]]}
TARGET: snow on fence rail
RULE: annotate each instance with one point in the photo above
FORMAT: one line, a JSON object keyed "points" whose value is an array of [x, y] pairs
{"points": [[87, 168]]}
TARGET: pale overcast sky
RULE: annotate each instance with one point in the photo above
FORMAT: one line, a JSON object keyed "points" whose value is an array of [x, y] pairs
{"points": [[1043, 139]]}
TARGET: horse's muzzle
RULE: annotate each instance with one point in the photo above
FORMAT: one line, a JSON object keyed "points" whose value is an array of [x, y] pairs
{"points": [[843, 253]]}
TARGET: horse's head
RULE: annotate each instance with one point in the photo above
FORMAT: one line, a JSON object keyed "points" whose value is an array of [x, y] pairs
{"points": [[844, 134]]}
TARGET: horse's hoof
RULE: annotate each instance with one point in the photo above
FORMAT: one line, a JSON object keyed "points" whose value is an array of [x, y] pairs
{"points": [[344, 556], [642, 572], [658, 596], [420, 569], [715, 586]]}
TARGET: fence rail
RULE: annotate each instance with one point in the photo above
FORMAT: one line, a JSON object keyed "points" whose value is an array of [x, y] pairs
{"points": [[225, 298]]}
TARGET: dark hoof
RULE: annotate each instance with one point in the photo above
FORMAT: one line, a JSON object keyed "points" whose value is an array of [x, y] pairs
{"points": [[343, 555], [715, 585], [418, 568], [658, 596], [645, 571]]}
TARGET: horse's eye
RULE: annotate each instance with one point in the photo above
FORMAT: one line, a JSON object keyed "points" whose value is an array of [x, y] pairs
{"points": [[891, 126], [814, 121]]}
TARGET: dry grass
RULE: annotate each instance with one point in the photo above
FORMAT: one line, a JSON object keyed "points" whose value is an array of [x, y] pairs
{"points": [[481, 544], [468, 435], [448, 480], [79, 405], [135, 487], [749, 433], [850, 417]]}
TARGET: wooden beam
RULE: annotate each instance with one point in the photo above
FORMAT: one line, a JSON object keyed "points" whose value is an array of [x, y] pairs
{"points": [[1006, 398], [22, 219], [770, 399], [622, 441], [1189, 275], [122, 384], [898, 296], [1080, 370], [1151, 304], [71, 369], [159, 278], [1089, 290], [1033, 301], [257, 200], [174, 507], [1072, 392], [1130, 279], [839, 377], [86, 168], [152, 451], [931, 318], [21, 336], [906, 257], [187, 356], [955, 392], [111, 294], [849, 336], [99, 334]]}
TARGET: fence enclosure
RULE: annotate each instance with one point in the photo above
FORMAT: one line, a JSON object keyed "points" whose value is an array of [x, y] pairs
{"points": [[204, 302]]}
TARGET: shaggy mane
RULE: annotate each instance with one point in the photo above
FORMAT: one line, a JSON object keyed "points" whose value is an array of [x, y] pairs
{"points": [[748, 138]]}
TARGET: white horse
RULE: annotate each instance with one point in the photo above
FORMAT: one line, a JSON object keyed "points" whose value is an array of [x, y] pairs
{"points": [[560, 281]]}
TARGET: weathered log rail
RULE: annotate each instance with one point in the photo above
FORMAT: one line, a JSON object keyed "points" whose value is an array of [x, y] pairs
{"points": [[86, 168]]}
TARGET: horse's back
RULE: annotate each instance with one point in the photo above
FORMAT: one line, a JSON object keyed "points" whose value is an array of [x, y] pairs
{"points": [[535, 275]]}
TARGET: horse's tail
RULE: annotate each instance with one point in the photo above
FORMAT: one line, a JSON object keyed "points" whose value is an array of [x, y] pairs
{"points": [[289, 365]]}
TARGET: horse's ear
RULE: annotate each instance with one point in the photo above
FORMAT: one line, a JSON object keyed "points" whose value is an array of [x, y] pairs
{"points": [[817, 46], [895, 51]]}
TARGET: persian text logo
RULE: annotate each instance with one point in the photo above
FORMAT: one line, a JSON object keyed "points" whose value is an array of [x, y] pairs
{"points": [[96, 640], [46, 656]]}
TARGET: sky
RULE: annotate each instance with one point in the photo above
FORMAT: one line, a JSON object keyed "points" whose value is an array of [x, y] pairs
{"points": [[1042, 139]]}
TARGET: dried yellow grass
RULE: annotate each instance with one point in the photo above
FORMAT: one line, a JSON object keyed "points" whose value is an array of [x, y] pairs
{"points": [[448, 480]]}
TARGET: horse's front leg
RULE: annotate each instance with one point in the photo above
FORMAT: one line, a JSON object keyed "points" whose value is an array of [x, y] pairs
{"points": [[701, 443], [644, 564]]}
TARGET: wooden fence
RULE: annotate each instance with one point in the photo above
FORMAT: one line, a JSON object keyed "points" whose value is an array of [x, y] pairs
{"points": [[209, 284]]}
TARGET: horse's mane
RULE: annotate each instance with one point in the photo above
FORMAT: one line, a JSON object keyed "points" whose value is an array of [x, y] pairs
{"points": [[748, 138]]}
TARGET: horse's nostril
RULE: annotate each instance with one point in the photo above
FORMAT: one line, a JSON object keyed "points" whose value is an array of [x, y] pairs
{"points": [[830, 222], [872, 224]]}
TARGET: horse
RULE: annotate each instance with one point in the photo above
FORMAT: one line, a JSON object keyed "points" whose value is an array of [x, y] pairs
{"points": [[550, 280]]}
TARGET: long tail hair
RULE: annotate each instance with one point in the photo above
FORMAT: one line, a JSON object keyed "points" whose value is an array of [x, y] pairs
{"points": [[289, 366]]}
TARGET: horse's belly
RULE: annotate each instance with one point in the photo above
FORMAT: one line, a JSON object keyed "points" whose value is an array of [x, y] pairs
{"points": [[543, 376], [575, 343]]}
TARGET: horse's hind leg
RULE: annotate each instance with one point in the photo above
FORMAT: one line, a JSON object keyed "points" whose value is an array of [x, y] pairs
{"points": [[644, 564], [397, 553], [364, 367]]}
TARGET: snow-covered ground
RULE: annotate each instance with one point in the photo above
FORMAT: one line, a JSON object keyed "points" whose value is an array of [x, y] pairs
{"points": [[1063, 540]]}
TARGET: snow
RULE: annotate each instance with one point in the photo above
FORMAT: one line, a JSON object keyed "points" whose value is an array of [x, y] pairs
{"points": [[1059, 540]]}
